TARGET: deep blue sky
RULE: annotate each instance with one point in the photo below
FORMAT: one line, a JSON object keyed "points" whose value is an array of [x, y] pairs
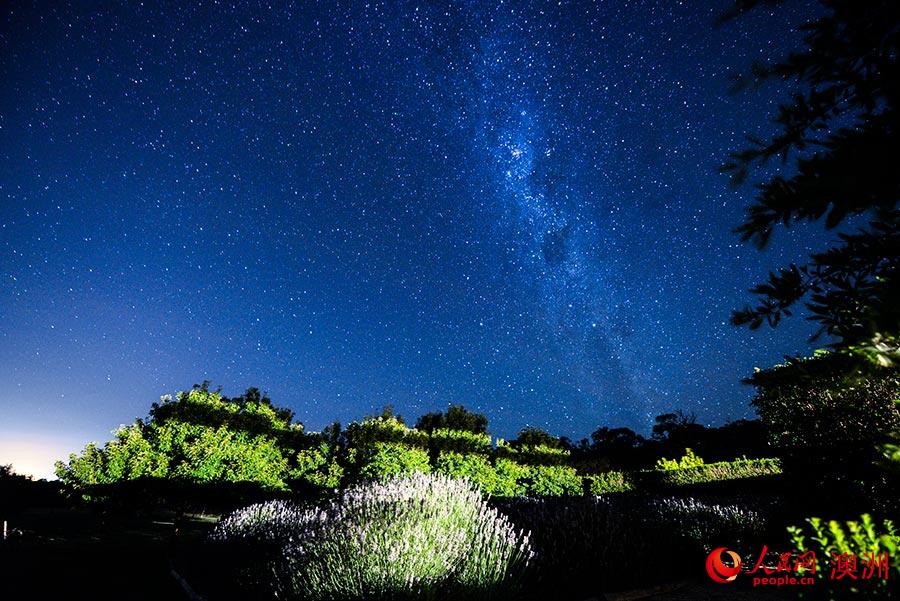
{"points": [[514, 206]]}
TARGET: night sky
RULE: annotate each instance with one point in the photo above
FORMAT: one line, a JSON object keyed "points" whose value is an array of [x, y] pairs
{"points": [[514, 206]]}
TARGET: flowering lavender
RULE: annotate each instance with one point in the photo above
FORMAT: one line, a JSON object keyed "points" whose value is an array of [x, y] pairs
{"points": [[422, 536], [704, 523], [588, 544]]}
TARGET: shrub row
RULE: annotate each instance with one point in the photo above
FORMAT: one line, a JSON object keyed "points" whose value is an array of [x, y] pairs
{"points": [[524, 471], [206, 439], [609, 482], [587, 545]]}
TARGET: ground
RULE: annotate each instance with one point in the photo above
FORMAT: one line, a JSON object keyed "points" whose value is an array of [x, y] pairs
{"points": [[64, 554]]}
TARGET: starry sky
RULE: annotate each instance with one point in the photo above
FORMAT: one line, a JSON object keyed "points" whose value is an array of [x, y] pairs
{"points": [[510, 205]]}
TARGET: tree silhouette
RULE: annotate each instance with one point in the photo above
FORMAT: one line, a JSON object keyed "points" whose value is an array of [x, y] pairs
{"points": [[531, 436], [457, 417], [838, 146]]}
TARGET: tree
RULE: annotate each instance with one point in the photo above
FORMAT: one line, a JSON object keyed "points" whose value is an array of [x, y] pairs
{"points": [[838, 143], [615, 441], [200, 437], [388, 413], [535, 437], [678, 425], [821, 404], [457, 417], [834, 424], [620, 447]]}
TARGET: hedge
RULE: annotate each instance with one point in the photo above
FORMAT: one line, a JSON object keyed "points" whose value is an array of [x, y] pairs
{"points": [[613, 481], [714, 472], [512, 471], [204, 438]]}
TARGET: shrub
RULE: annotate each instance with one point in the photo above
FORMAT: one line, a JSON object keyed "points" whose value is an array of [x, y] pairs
{"points": [[386, 459], [607, 482], [553, 480], [828, 402], [457, 418], [384, 446], [510, 481], [421, 536], [533, 454], [476, 468], [590, 544], [687, 461], [316, 466], [714, 472], [614, 481], [384, 429], [460, 441], [865, 540], [705, 524], [200, 437], [832, 416]]}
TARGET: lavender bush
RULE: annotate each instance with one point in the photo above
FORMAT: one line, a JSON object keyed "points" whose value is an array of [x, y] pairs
{"points": [[419, 536], [587, 545]]}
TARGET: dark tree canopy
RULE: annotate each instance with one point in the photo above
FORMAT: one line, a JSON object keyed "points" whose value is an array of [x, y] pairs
{"points": [[457, 417], [674, 425], [616, 438], [535, 437], [838, 146]]}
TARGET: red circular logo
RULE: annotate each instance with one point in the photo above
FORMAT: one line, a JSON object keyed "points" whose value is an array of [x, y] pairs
{"points": [[717, 569]]}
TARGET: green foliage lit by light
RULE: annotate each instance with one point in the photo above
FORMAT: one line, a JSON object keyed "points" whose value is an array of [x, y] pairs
{"points": [[201, 437], [317, 466], [689, 459], [476, 468], [865, 540], [384, 459], [608, 482]]}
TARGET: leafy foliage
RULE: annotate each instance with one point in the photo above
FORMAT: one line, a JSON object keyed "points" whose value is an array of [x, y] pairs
{"points": [[832, 417], [688, 460], [615, 481], [205, 440], [864, 539], [608, 482], [555, 480], [385, 459], [384, 446], [462, 441], [318, 466], [826, 401], [199, 437], [840, 130], [474, 467], [533, 438], [713, 472]]}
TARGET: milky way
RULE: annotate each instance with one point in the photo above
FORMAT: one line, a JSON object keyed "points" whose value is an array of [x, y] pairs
{"points": [[514, 206], [555, 243]]}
